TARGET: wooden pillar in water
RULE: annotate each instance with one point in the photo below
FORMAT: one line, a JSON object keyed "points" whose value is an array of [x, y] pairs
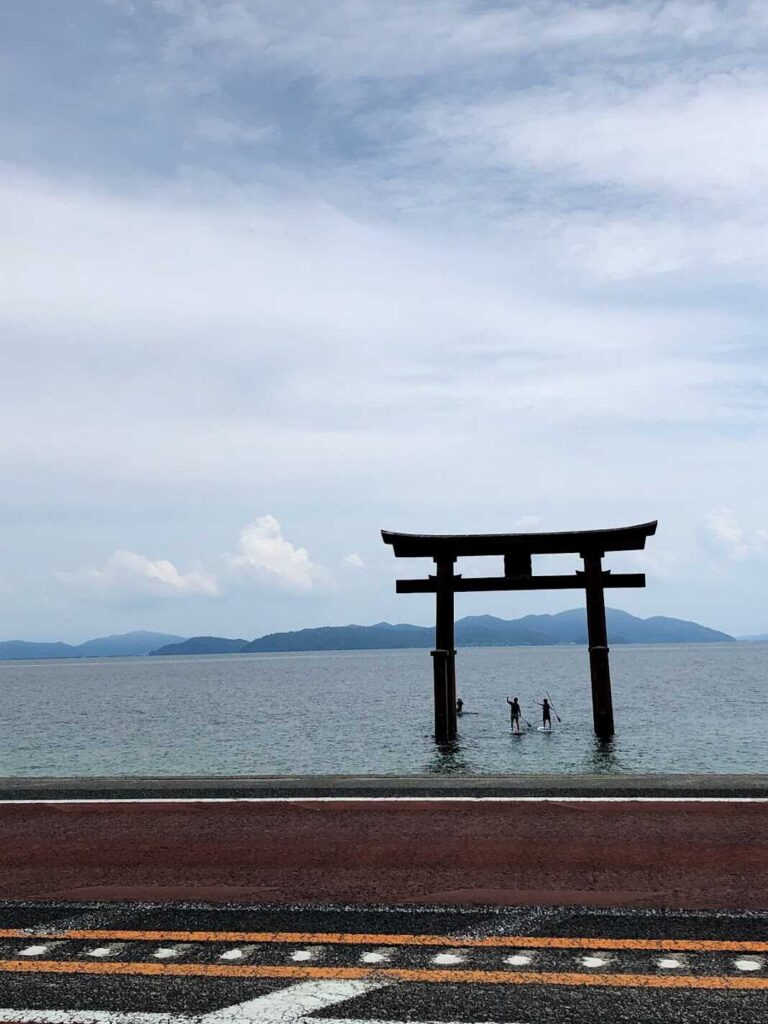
{"points": [[597, 630], [444, 655]]}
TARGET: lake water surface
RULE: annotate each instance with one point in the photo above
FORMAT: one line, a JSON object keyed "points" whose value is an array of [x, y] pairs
{"points": [[678, 708]]}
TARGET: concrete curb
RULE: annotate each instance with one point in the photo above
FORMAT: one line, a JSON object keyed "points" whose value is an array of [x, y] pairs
{"points": [[382, 786]]}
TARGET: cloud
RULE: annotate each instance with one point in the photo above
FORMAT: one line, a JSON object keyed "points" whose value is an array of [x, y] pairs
{"points": [[265, 555], [723, 536], [354, 561], [127, 574]]}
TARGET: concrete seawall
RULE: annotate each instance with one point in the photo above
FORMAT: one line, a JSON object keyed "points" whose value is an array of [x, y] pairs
{"points": [[316, 786]]}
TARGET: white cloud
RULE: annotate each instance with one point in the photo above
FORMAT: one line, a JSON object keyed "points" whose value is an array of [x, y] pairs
{"points": [[127, 574], [703, 140], [723, 536], [658, 563], [354, 561], [265, 555]]}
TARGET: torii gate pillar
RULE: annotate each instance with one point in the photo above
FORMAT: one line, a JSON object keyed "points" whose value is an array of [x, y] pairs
{"points": [[444, 656], [597, 633]]}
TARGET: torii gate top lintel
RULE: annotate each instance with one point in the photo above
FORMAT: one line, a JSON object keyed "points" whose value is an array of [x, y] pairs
{"points": [[435, 545]]}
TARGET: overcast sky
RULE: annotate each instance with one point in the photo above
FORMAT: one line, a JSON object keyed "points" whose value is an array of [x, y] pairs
{"points": [[276, 275]]}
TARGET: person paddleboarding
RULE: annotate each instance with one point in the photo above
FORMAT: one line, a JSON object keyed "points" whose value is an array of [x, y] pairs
{"points": [[459, 706], [514, 713], [546, 717]]}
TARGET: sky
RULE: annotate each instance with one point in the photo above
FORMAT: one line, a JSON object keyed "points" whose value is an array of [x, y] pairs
{"points": [[275, 276]]}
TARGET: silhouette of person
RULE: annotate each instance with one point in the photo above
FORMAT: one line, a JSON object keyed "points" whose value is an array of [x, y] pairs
{"points": [[545, 715], [514, 713], [459, 706]]}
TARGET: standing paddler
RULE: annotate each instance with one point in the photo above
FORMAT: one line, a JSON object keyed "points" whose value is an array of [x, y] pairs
{"points": [[546, 718], [514, 713]]}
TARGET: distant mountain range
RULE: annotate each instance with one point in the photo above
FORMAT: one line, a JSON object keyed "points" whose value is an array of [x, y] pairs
{"points": [[473, 631], [123, 646]]}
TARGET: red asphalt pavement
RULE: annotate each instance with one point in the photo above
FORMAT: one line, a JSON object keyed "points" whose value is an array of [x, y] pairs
{"points": [[688, 855]]}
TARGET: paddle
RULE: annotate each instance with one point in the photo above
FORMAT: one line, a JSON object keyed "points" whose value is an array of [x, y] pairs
{"points": [[553, 707]]}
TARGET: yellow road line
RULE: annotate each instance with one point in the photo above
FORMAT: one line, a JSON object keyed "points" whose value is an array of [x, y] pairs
{"points": [[395, 974], [356, 938]]}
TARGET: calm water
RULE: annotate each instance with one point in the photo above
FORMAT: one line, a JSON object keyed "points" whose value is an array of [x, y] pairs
{"points": [[683, 708]]}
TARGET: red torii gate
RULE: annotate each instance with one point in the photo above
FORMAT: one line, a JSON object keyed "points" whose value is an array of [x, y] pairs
{"points": [[517, 549]]}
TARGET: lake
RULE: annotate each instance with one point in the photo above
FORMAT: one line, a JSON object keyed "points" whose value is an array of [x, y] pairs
{"points": [[678, 708]]}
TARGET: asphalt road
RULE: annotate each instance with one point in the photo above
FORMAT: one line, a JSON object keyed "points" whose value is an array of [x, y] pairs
{"points": [[167, 963]]}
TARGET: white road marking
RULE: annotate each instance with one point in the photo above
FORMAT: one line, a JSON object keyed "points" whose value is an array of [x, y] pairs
{"points": [[292, 1004], [13, 1016], [102, 951], [594, 961], [303, 954], [232, 954], [374, 958], [33, 951], [165, 952], [447, 958], [518, 960], [397, 799], [668, 963], [748, 965]]}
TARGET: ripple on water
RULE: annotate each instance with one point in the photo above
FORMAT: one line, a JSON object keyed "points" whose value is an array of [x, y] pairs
{"points": [[678, 708]]}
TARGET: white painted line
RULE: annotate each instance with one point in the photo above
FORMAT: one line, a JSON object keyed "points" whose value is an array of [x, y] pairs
{"points": [[748, 965], [594, 961], [518, 960], [292, 1004], [300, 955], [165, 952], [668, 963], [33, 951], [102, 951], [16, 1016], [232, 954], [374, 958], [399, 799], [447, 958]]}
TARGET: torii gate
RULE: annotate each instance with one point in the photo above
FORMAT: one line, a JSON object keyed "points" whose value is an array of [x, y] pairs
{"points": [[517, 549]]}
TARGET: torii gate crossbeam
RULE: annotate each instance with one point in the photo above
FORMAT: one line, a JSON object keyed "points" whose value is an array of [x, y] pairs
{"points": [[517, 550]]}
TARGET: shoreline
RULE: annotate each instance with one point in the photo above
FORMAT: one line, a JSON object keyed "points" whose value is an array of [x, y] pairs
{"points": [[511, 786]]}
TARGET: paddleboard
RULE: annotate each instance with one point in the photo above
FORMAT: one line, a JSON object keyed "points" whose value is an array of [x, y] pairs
{"points": [[543, 728]]}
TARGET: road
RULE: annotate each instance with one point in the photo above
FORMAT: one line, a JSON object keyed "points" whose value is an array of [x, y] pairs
{"points": [[144, 963], [126, 903]]}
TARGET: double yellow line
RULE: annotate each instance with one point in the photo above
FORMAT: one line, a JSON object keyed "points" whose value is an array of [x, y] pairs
{"points": [[431, 975]]}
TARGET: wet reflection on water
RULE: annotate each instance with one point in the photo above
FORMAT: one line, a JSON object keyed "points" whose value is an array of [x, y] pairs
{"points": [[603, 757], [448, 759]]}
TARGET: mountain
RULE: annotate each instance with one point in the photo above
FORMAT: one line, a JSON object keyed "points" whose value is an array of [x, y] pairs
{"points": [[125, 645], [472, 631], [381, 636], [568, 627], [571, 628], [19, 650], [203, 645]]}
